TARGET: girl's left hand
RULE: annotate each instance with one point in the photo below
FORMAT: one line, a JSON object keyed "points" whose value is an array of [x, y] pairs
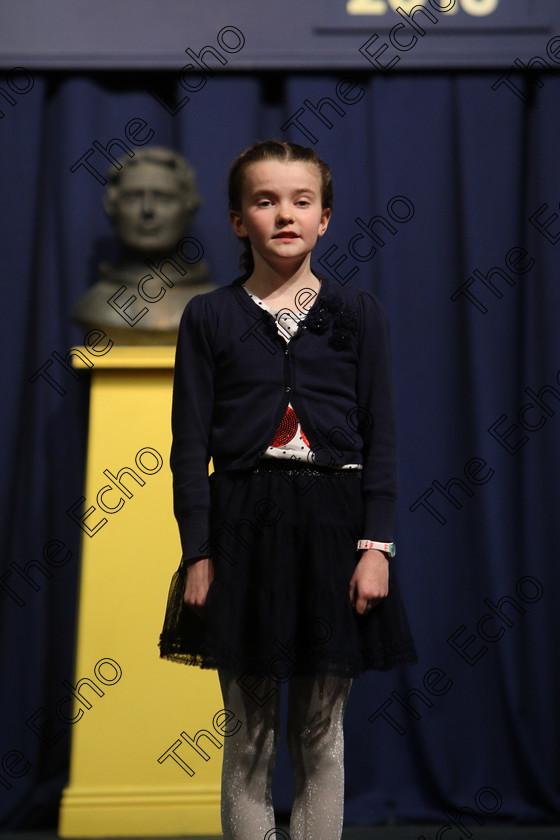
{"points": [[370, 581]]}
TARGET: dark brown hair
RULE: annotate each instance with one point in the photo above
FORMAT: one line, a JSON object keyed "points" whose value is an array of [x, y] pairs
{"points": [[272, 150]]}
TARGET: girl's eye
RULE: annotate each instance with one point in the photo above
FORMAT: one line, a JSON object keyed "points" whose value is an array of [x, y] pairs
{"points": [[264, 202], [304, 202]]}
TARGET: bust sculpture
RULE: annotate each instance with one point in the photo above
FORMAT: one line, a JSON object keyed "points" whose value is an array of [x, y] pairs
{"points": [[150, 201]]}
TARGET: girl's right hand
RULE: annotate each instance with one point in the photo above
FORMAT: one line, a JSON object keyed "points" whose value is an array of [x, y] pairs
{"points": [[200, 575]]}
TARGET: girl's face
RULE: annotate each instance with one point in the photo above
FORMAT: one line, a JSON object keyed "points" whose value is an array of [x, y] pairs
{"points": [[281, 211]]}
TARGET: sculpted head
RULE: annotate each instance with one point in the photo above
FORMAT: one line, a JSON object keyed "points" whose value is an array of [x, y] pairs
{"points": [[151, 200]]}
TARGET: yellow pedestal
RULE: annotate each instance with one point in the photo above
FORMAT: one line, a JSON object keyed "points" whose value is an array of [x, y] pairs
{"points": [[133, 707]]}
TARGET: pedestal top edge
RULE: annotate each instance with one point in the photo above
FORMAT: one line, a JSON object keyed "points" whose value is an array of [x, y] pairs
{"points": [[124, 357]]}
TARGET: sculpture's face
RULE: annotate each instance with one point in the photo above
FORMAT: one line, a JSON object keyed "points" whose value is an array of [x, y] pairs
{"points": [[151, 210]]}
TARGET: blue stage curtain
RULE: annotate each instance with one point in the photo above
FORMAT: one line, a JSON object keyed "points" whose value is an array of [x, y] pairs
{"points": [[454, 170]]}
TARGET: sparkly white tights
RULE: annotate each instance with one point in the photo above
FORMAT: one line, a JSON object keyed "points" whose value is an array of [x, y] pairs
{"points": [[316, 746]]}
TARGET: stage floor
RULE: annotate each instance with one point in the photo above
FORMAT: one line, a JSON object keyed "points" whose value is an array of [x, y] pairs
{"points": [[393, 832]]}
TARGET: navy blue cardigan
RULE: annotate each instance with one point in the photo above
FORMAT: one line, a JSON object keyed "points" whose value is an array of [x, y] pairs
{"points": [[234, 377]]}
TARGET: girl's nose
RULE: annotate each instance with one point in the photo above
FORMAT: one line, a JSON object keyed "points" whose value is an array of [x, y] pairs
{"points": [[285, 213]]}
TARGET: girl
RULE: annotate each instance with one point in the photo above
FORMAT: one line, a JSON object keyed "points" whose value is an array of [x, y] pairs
{"points": [[283, 378]]}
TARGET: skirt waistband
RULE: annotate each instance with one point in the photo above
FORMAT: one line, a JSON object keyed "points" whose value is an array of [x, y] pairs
{"points": [[291, 466]]}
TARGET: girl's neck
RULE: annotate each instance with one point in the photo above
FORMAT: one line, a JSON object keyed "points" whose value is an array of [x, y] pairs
{"points": [[265, 281]]}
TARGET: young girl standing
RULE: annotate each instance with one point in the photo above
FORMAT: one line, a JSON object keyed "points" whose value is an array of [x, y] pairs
{"points": [[284, 379]]}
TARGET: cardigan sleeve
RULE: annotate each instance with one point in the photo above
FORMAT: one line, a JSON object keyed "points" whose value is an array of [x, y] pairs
{"points": [[191, 418], [376, 407]]}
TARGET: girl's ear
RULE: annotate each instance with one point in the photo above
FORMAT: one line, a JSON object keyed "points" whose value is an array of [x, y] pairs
{"points": [[324, 223], [237, 223]]}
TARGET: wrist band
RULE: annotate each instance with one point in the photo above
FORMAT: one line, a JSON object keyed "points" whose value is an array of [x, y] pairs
{"points": [[387, 547]]}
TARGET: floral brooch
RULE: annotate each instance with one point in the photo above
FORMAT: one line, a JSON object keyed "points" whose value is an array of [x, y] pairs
{"points": [[331, 312]]}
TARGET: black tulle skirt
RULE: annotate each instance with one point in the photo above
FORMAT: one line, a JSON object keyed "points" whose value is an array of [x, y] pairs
{"points": [[283, 544]]}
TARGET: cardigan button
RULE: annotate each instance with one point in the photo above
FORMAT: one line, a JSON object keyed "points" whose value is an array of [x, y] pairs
{"points": [[287, 389]]}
